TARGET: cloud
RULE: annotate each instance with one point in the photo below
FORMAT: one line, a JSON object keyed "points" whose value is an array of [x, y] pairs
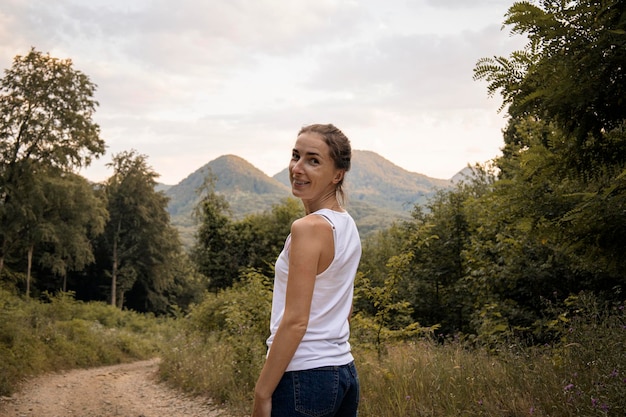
{"points": [[187, 81]]}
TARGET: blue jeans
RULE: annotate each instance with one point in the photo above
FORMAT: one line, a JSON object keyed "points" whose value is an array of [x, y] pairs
{"points": [[330, 391]]}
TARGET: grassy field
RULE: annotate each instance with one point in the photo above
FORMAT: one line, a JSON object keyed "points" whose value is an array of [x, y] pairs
{"points": [[219, 352], [218, 349]]}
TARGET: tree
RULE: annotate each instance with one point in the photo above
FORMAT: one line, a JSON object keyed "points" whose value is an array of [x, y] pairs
{"points": [[46, 109], [224, 248], [568, 86], [139, 244], [555, 222], [571, 73], [261, 236], [214, 237], [74, 217]]}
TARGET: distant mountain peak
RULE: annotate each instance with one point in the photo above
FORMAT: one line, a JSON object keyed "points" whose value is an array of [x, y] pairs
{"points": [[379, 192]]}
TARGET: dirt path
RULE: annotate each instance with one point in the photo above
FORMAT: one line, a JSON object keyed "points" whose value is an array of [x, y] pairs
{"points": [[127, 390]]}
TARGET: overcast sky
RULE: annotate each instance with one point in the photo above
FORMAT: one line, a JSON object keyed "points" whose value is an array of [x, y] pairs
{"points": [[187, 81]]}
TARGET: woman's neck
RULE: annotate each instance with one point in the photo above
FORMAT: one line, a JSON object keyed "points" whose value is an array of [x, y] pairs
{"points": [[328, 202]]}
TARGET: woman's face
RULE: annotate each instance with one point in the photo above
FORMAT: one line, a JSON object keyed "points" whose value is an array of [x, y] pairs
{"points": [[312, 171]]}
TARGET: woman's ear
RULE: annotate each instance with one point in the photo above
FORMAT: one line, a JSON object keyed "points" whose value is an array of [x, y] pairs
{"points": [[338, 176]]}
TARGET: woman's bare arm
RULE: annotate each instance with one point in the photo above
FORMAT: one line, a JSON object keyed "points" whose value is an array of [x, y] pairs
{"points": [[311, 238]]}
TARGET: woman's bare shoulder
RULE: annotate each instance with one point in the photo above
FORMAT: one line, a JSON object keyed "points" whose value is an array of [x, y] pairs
{"points": [[310, 223]]}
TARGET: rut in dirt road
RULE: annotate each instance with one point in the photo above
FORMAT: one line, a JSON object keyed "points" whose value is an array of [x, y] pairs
{"points": [[127, 390]]}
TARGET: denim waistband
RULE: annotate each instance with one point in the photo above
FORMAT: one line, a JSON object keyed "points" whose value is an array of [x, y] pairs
{"points": [[330, 367]]}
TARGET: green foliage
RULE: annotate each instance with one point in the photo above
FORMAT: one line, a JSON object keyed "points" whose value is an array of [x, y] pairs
{"points": [[220, 353], [46, 132], [224, 247], [221, 349], [214, 237], [74, 215], [47, 108], [139, 246], [61, 333], [554, 224], [391, 319], [570, 74]]}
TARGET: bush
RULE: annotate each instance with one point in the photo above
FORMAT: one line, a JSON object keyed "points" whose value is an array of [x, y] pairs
{"points": [[222, 348]]}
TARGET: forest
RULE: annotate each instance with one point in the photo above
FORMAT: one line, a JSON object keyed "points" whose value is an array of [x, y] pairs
{"points": [[532, 243]]}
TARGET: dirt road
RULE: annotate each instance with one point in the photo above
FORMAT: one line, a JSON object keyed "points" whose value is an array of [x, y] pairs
{"points": [[128, 390]]}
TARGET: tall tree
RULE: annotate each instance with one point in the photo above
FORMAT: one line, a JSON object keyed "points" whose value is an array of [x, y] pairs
{"points": [[555, 223], [571, 73], [139, 241], [46, 110], [214, 236]]}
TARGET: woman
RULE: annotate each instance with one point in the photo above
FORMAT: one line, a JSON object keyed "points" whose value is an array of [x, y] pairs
{"points": [[309, 370]]}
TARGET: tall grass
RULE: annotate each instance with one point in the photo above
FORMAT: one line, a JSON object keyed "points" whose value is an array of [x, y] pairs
{"points": [[220, 349], [62, 333], [583, 374]]}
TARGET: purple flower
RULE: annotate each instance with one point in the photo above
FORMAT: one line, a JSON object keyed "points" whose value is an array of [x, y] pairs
{"points": [[532, 410], [594, 402], [568, 387], [614, 373]]}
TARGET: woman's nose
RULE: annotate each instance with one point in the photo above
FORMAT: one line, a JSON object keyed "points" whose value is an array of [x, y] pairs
{"points": [[296, 166]]}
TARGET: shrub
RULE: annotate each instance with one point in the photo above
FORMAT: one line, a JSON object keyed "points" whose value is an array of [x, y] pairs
{"points": [[221, 350]]}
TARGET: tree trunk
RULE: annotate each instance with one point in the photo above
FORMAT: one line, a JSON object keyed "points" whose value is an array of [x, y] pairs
{"points": [[114, 274], [31, 248], [115, 265]]}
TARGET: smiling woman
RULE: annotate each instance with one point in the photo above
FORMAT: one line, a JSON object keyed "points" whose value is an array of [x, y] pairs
{"points": [[309, 368]]}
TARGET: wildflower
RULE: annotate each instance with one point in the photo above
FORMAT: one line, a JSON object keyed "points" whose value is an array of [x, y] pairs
{"points": [[604, 407], [594, 402], [480, 402], [568, 387], [614, 373], [532, 410], [408, 397]]}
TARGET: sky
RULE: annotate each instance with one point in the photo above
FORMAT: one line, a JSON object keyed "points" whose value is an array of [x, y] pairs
{"points": [[184, 82]]}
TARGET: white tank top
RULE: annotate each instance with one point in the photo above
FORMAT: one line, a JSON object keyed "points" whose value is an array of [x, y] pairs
{"points": [[325, 342]]}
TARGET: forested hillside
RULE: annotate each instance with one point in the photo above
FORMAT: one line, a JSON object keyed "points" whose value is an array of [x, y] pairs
{"points": [[379, 192]]}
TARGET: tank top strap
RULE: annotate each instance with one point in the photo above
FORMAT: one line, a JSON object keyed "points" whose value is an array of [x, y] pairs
{"points": [[328, 219]]}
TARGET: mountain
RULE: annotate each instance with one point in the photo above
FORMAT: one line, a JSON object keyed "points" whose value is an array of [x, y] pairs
{"points": [[378, 191], [378, 182], [246, 188]]}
